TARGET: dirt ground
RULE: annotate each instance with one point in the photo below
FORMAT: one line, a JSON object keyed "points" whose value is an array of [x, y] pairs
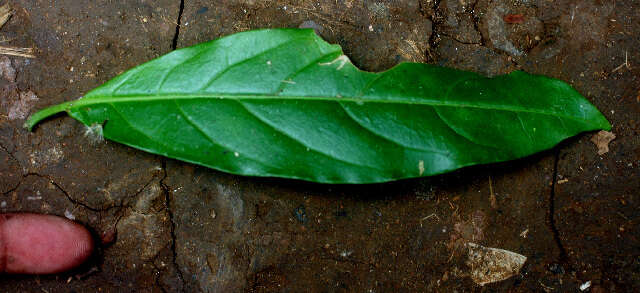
{"points": [[167, 226]]}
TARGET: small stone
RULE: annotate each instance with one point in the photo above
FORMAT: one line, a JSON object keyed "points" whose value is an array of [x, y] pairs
{"points": [[6, 70], [69, 215], [313, 25], [21, 104], [489, 265], [585, 286], [108, 236]]}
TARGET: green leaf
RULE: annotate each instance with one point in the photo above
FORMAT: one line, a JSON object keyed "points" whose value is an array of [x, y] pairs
{"points": [[284, 103]]}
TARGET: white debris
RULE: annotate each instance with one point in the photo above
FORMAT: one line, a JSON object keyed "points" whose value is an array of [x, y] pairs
{"points": [[343, 59], [69, 215], [49, 156], [489, 265], [346, 253], [94, 133], [585, 286]]}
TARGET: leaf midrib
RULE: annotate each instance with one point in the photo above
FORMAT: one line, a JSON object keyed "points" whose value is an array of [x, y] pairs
{"points": [[138, 98]]}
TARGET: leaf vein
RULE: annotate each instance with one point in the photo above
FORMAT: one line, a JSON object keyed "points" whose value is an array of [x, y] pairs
{"points": [[472, 141], [199, 128], [400, 144], [524, 129], [138, 97], [138, 130], [234, 65], [129, 73], [283, 85], [267, 123], [173, 68]]}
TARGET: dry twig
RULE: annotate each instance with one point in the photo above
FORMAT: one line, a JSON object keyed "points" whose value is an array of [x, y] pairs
{"points": [[625, 64], [20, 52]]}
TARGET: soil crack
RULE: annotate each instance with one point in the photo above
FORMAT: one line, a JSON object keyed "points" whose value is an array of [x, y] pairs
{"points": [[8, 152], [172, 230], [476, 24], [66, 194], [551, 222], [434, 38], [174, 42]]}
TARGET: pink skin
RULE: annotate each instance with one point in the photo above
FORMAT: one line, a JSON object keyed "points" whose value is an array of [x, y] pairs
{"points": [[41, 244]]}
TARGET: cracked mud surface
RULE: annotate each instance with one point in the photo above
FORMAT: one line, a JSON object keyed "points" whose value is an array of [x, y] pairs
{"points": [[167, 226]]}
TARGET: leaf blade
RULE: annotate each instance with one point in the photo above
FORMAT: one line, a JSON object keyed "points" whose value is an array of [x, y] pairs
{"points": [[296, 107]]}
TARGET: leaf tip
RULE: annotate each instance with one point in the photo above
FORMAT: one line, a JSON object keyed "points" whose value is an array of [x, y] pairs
{"points": [[606, 124], [600, 121]]}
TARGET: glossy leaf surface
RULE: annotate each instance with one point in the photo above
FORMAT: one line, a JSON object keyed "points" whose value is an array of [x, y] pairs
{"points": [[285, 103]]}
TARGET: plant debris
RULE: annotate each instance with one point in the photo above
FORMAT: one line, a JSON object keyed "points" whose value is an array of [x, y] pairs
{"points": [[5, 14], [602, 140], [16, 51]]}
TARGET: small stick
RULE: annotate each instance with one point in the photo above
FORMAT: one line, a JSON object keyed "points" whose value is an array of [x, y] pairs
{"points": [[492, 197], [625, 64], [20, 52], [428, 217]]}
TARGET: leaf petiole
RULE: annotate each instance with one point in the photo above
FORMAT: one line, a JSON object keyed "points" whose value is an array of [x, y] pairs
{"points": [[44, 113]]}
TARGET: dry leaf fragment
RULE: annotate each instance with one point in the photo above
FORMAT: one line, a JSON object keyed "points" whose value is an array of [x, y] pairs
{"points": [[489, 265], [602, 140], [513, 18]]}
